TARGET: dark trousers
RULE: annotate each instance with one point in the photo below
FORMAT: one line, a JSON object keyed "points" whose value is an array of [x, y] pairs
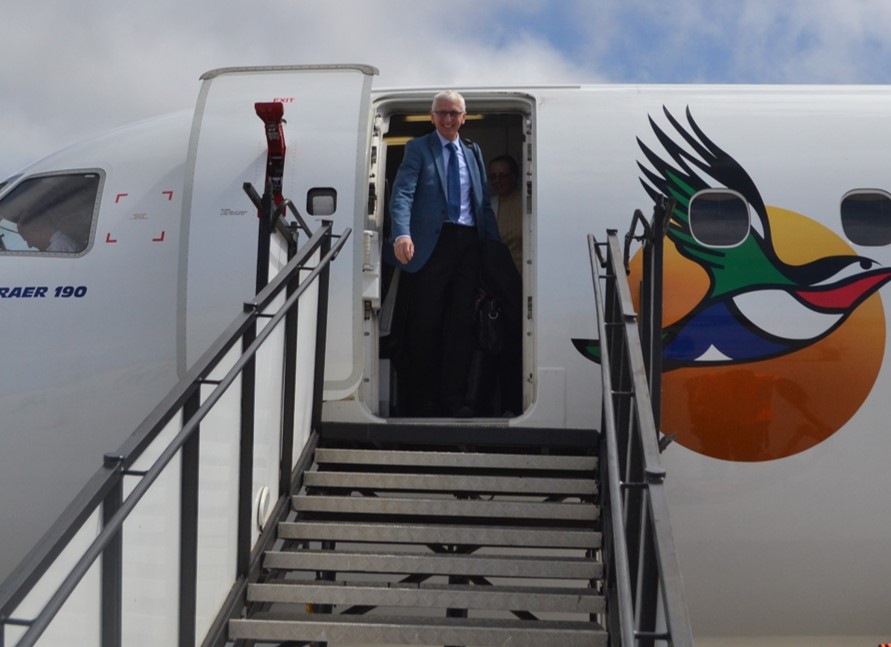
{"points": [[440, 337]]}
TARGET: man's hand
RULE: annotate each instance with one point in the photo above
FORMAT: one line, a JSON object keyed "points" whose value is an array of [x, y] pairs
{"points": [[404, 249]]}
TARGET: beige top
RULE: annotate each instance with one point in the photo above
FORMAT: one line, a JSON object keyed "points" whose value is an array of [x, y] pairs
{"points": [[509, 214]]}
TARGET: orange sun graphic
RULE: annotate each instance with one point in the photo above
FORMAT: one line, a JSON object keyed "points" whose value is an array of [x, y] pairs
{"points": [[769, 409]]}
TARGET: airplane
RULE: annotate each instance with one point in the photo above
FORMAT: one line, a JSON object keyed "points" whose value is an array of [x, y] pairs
{"points": [[774, 327]]}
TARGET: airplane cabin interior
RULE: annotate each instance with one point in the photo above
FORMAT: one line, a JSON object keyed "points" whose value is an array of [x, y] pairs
{"points": [[496, 384]]}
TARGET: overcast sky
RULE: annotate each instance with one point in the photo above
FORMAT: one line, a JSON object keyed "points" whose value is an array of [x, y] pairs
{"points": [[73, 68]]}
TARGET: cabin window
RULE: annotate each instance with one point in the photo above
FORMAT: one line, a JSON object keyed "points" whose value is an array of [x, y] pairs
{"points": [[321, 202], [719, 218], [866, 217], [8, 181], [50, 214]]}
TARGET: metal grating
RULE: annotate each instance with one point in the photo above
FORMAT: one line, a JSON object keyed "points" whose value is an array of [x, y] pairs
{"points": [[398, 546]]}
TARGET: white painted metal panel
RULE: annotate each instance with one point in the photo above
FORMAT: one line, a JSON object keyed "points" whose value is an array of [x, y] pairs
{"points": [[327, 130]]}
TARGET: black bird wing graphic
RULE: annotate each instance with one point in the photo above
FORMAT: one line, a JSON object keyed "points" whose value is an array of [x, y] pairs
{"points": [[682, 177]]}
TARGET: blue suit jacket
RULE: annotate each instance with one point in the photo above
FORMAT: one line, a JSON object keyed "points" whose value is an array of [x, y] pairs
{"points": [[419, 202]]}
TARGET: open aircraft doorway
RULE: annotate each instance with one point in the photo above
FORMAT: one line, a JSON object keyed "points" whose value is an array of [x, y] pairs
{"points": [[499, 383]]}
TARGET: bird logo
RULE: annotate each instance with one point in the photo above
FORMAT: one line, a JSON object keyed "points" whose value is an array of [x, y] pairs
{"points": [[754, 343]]}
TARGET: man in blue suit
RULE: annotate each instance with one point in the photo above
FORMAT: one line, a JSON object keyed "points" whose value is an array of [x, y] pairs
{"points": [[439, 213]]}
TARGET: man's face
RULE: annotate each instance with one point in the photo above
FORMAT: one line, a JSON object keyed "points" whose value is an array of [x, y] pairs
{"points": [[448, 117], [500, 178], [35, 233]]}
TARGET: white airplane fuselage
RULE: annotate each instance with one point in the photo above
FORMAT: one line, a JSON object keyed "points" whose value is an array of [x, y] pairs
{"points": [[777, 539]]}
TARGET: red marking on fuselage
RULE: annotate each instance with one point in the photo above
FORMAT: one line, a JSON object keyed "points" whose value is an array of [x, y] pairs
{"points": [[169, 195], [161, 239], [118, 197], [842, 297], [109, 239]]}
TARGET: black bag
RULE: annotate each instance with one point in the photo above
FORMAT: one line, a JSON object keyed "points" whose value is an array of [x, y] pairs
{"points": [[489, 324]]}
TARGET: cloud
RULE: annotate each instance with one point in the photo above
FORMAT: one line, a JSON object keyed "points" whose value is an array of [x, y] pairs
{"points": [[748, 41], [825, 41], [84, 68], [75, 69]]}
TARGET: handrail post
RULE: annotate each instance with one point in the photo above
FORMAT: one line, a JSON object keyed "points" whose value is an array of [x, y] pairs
{"points": [[321, 333], [112, 573], [246, 455], [264, 228], [248, 391], [289, 386], [648, 596], [651, 303], [188, 539]]}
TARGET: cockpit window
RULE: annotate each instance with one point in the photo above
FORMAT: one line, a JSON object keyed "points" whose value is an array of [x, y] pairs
{"points": [[719, 218], [50, 214], [866, 217]]}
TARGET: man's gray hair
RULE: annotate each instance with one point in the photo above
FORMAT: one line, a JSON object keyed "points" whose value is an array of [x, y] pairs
{"points": [[449, 95]]}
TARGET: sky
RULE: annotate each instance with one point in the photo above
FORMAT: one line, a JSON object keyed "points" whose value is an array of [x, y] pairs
{"points": [[75, 69]]}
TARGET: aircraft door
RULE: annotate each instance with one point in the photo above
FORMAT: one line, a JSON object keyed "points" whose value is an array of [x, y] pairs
{"points": [[327, 127], [502, 125]]}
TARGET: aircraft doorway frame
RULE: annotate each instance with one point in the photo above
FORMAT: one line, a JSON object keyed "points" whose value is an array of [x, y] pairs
{"points": [[502, 123]]}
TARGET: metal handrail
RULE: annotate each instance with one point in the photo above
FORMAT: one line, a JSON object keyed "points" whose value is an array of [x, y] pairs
{"points": [[105, 482], [619, 560], [642, 567]]}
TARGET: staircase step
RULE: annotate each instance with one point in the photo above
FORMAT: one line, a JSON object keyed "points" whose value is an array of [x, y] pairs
{"points": [[440, 534], [383, 630], [458, 460], [415, 535], [451, 483], [457, 508], [504, 598], [439, 564]]}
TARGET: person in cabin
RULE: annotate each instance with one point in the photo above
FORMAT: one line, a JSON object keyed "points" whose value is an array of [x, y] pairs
{"points": [[501, 278], [43, 233], [507, 203], [439, 213]]}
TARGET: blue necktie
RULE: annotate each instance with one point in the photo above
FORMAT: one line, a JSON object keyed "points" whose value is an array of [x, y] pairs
{"points": [[454, 184]]}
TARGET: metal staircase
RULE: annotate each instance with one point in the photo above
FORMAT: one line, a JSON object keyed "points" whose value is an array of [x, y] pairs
{"points": [[444, 533], [399, 545]]}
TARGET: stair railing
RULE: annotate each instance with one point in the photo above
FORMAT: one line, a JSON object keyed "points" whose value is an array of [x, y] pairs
{"points": [[645, 596], [39, 589]]}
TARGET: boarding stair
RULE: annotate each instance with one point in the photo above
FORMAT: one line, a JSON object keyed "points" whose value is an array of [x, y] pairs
{"points": [[399, 544], [438, 532]]}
